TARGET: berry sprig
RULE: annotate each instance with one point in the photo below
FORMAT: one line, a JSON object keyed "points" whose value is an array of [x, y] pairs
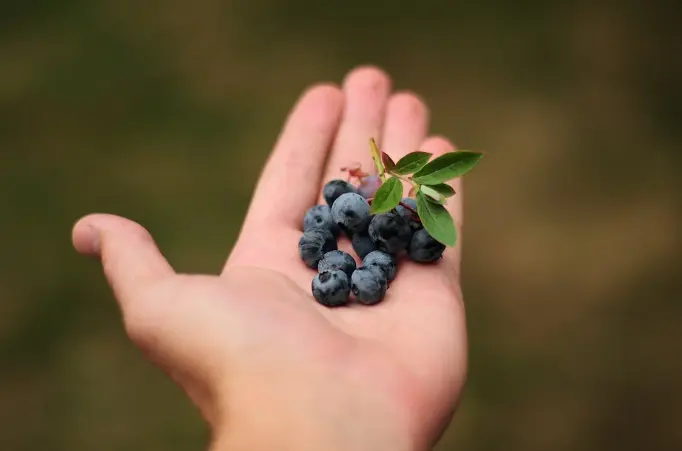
{"points": [[428, 180], [380, 223]]}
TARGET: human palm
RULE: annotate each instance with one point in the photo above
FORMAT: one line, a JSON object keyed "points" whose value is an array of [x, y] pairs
{"points": [[251, 346]]}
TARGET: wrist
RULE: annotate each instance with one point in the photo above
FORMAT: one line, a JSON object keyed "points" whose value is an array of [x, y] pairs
{"points": [[265, 437], [288, 417]]}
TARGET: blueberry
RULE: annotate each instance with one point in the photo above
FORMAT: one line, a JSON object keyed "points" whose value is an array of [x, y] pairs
{"points": [[362, 228], [409, 216], [331, 288], [390, 232], [314, 244], [410, 202], [350, 211], [320, 217], [368, 284], [382, 260], [363, 244], [369, 186], [337, 260], [345, 230], [334, 188], [424, 248]]}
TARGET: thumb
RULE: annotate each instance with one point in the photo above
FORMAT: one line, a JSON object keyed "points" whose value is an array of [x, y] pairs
{"points": [[134, 268], [130, 258]]}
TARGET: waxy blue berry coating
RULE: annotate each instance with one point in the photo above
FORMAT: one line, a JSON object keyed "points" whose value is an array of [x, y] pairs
{"points": [[351, 211], [368, 285], [424, 248], [331, 288], [390, 232], [369, 186], [314, 244], [363, 244], [335, 188], [320, 217], [409, 216], [337, 260], [386, 262]]}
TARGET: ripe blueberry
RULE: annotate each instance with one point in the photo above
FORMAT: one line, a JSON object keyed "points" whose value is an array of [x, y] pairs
{"points": [[362, 228], [314, 244], [390, 232], [331, 288], [350, 211], [369, 186], [320, 217], [337, 260], [382, 260], [408, 215], [368, 284], [334, 188], [362, 244], [424, 248]]}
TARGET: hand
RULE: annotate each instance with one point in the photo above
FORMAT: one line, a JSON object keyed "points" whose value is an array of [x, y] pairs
{"points": [[267, 366]]}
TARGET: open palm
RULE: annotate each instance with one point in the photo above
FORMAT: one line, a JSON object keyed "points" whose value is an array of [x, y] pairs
{"points": [[251, 346]]}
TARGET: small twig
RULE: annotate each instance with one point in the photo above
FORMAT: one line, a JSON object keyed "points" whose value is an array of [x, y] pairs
{"points": [[403, 178], [409, 208], [415, 215], [404, 205]]}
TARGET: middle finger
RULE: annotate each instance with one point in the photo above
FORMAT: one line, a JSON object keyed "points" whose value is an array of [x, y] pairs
{"points": [[366, 90]]}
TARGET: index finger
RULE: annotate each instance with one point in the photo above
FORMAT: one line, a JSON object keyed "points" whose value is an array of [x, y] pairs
{"points": [[290, 181]]}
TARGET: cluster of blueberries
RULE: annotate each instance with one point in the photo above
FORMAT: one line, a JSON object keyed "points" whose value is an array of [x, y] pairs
{"points": [[377, 240]]}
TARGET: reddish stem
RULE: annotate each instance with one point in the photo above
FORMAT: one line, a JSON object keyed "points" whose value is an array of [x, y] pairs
{"points": [[410, 209]]}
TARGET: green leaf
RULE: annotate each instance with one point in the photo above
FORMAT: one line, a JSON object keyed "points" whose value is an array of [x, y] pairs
{"points": [[436, 220], [432, 194], [447, 167], [444, 189], [410, 163], [387, 196]]}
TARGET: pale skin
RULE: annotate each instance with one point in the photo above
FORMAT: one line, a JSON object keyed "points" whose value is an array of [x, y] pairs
{"points": [[267, 366]]}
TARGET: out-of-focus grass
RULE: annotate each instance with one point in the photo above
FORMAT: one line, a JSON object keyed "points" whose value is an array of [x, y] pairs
{"points": [[165, 112]]}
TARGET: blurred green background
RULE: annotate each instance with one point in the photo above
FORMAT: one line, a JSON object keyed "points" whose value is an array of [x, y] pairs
{"points": [[164, 112]]}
